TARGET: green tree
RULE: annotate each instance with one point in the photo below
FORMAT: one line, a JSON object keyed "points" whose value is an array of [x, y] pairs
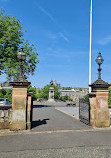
{"points": [[66, 97], [109, 97], [9, 94], [45, 92], [2, 93], [34, 92], [11, 39], [80, 89], [86, 96], [57, 93], [6, 93], [67, 88]]}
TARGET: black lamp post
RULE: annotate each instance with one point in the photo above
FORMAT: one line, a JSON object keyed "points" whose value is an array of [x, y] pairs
{"points": [[99, 61], [21, 56]]}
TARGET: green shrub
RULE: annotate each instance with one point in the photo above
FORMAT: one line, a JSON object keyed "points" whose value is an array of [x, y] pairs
{"points": [[86, 96], [34, 92], [6, 93], [109, 97]]}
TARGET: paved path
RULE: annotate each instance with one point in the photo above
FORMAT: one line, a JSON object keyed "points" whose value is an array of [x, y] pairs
{"points": [[49, 119]]}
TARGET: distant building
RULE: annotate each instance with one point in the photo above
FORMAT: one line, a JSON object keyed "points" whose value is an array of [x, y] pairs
{"points": [[67, 92], [75, 94]]}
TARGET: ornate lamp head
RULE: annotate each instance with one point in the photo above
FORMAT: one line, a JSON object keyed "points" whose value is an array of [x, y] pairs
{"points": [[99, 61], [21, 54]]}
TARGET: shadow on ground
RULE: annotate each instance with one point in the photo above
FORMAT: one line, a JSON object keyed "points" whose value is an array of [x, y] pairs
{"points": [[41, 106], [39, 122]]}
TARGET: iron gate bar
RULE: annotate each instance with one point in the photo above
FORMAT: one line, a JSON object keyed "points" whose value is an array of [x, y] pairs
{"points": [[84, 108]]}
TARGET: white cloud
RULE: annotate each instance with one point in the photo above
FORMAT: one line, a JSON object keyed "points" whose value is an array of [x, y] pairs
{"points": [[57, 36], [63, 36], [106, 40], [52, 36], [49, 15]]}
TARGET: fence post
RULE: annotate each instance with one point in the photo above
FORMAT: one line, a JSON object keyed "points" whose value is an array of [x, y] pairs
{"points": [[79, 108], [29, 111]]}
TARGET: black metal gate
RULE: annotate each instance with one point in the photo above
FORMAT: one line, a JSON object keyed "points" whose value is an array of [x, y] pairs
{"points": [[31, 112], [84, 111]]}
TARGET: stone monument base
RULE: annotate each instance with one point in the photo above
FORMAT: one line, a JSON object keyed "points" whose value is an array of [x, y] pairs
{"points": [[51, 100]]}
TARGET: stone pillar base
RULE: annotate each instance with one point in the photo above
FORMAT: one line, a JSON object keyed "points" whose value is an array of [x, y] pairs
{"points": [[18, 126], [18, 119], [100, 118], [4, 125], [50, 100], [28, 125], [102, 124]]}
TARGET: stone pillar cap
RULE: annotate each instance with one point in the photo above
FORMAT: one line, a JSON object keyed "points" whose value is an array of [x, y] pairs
{"points": [[100, 84], [30, 93], [20, 83]]}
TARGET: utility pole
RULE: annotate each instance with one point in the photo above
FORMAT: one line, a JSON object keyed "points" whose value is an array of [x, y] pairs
{"points": [[90, 47]]}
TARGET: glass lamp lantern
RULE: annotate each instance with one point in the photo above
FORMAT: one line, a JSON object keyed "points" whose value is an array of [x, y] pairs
{"points": [[21, 54], [99, 59]]}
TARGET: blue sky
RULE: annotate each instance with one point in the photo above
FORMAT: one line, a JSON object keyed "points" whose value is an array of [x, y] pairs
{"points": [[59, 29]]}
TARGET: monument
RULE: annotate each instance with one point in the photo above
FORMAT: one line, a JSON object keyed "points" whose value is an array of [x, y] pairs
{"points": [[51, 92]]}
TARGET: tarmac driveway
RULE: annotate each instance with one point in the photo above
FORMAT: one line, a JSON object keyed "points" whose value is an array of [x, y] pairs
{"points": [[47, 118]]}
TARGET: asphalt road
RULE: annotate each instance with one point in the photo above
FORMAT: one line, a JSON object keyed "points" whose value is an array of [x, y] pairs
{"points": [[90, 144], [50, 119]]}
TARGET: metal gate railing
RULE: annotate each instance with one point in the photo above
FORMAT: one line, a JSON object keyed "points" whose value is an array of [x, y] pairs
{"points": [[84, 111]]}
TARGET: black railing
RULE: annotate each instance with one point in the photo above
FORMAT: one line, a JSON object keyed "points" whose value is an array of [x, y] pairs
{"points": [[84, 111]]}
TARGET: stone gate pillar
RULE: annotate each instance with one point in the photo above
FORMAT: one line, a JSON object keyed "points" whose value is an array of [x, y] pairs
{"points": [[99, 111], [19, 105]]}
